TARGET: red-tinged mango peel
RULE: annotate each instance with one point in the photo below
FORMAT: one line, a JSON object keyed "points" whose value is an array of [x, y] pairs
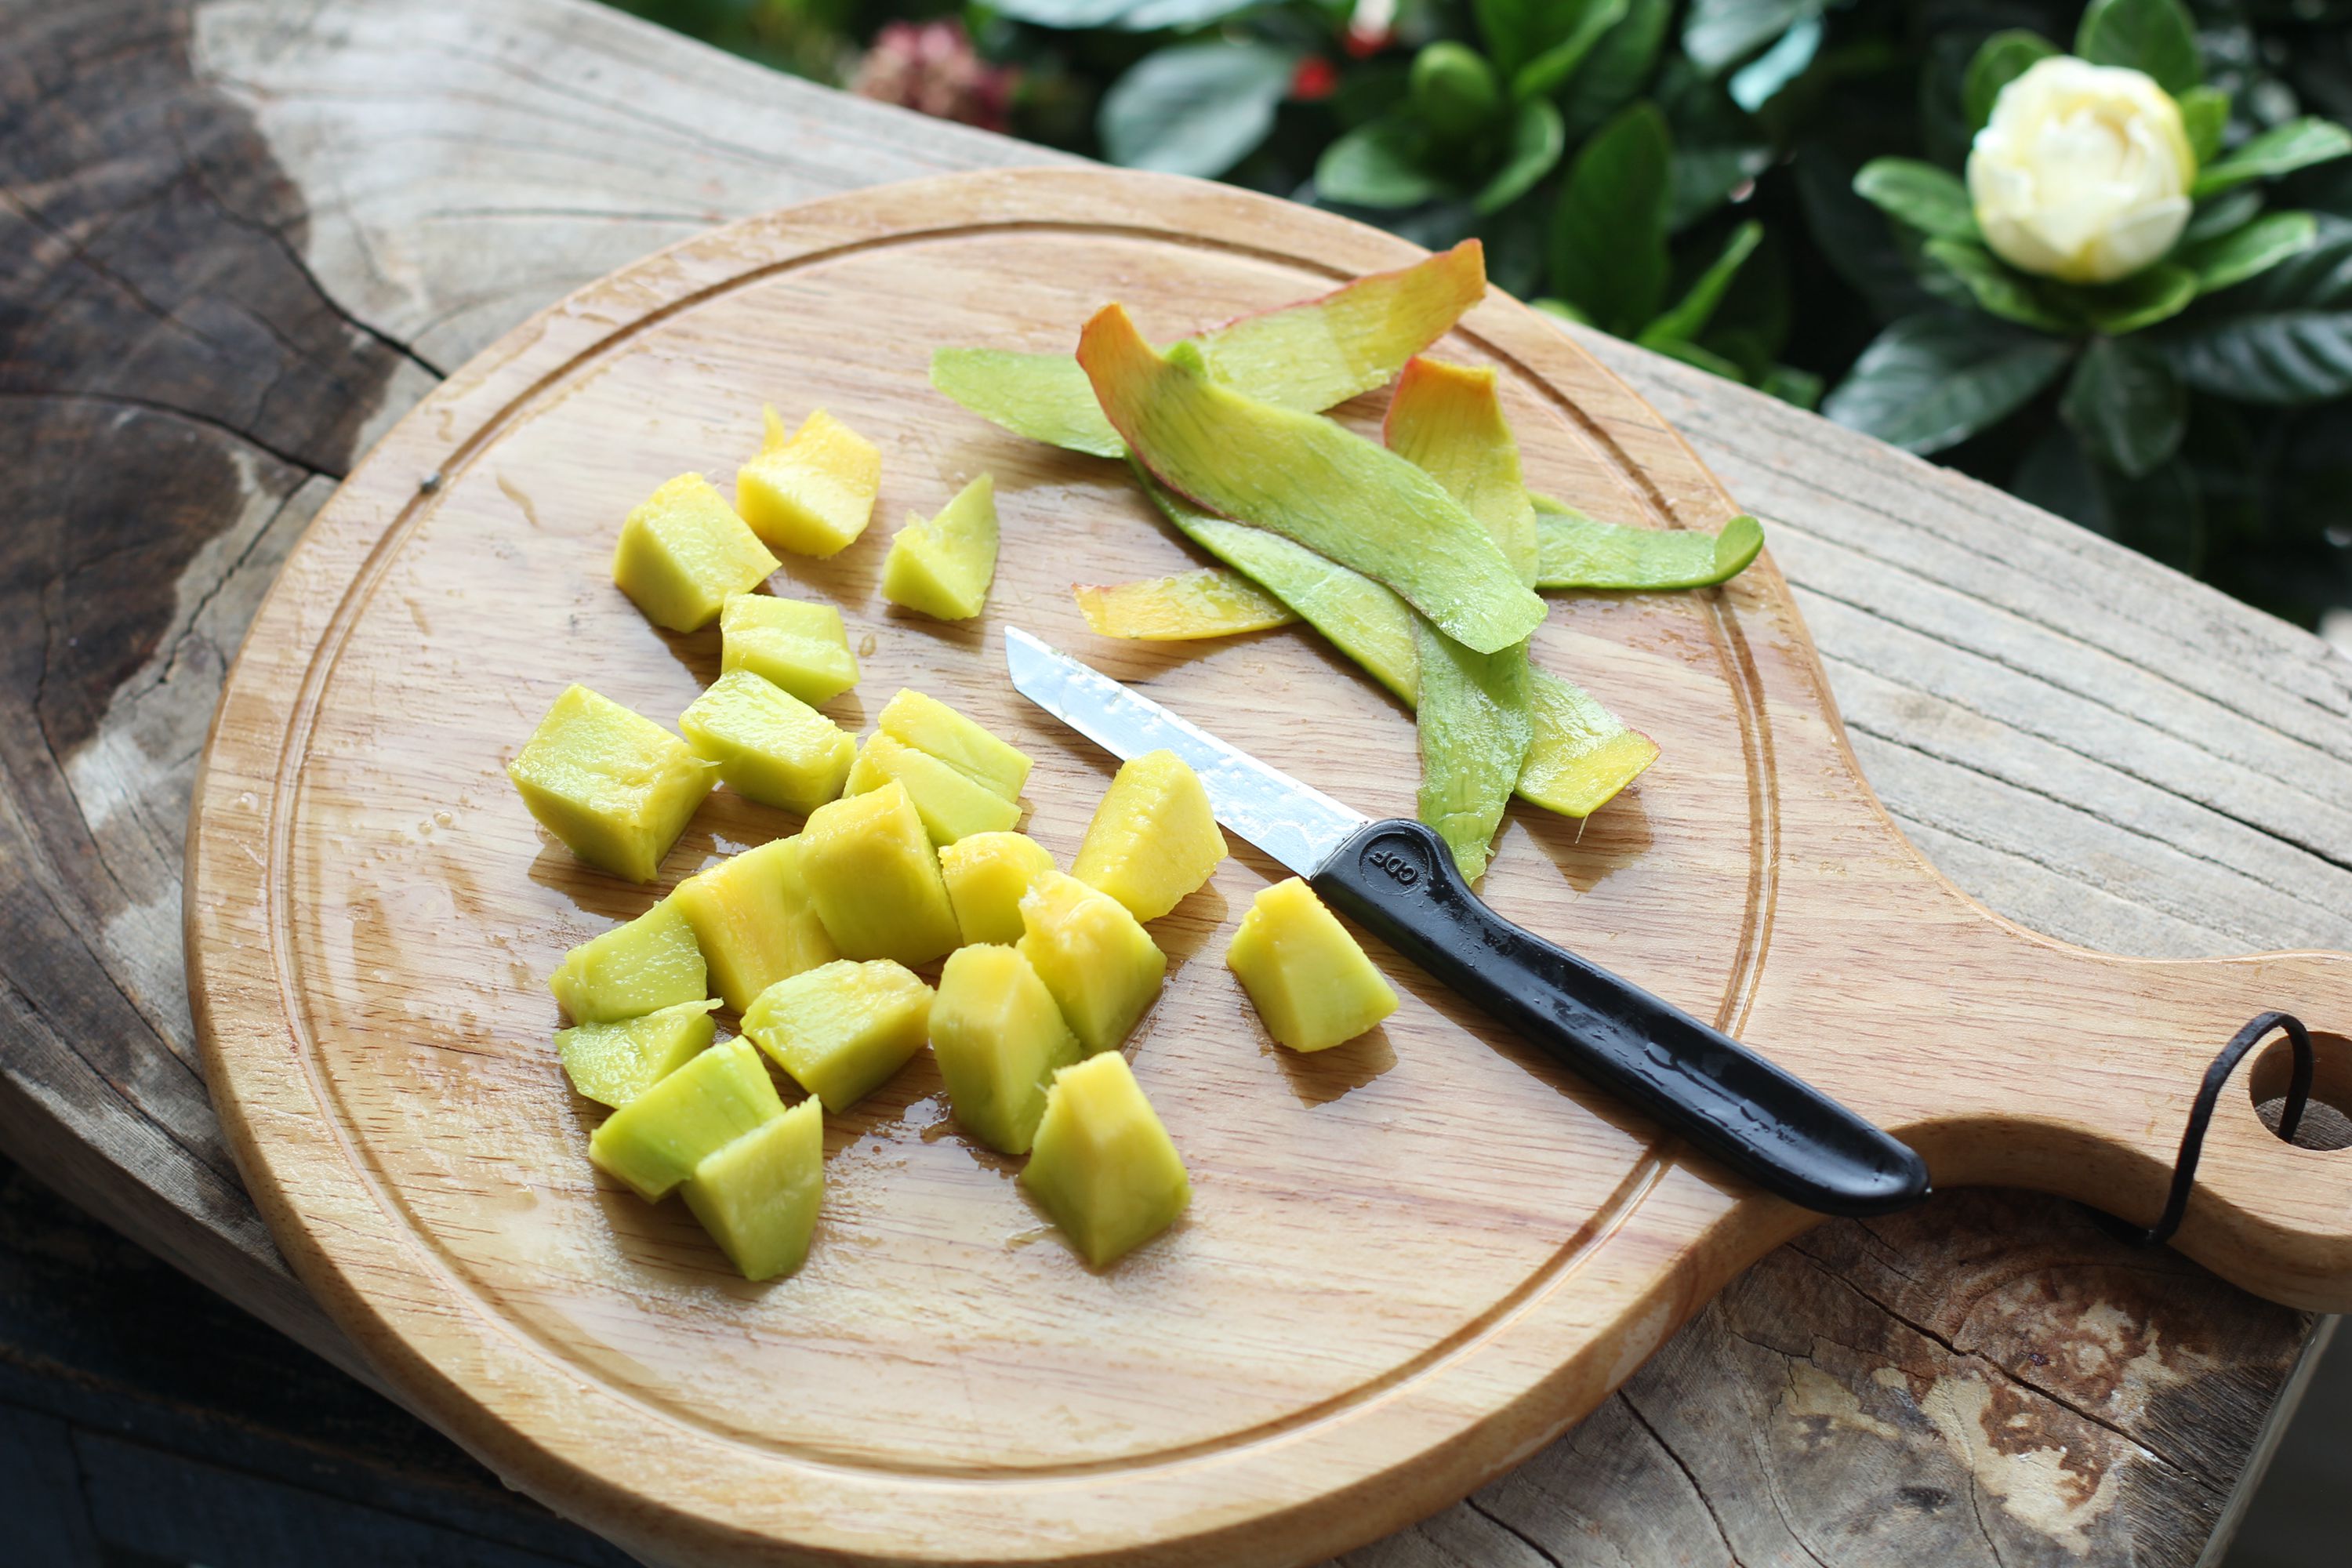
{"points": [[1308, 355]]}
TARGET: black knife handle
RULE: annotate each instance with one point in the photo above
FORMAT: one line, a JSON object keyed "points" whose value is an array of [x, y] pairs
{"points": [[1397, 877]]}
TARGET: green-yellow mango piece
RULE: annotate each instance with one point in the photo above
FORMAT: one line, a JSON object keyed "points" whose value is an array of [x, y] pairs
{"points": [[999, 1038], [1582, 755], [1207, 601], [801, 647], [684, 551], [1310, 355], [988, 874], [655, 1142], [769, 746], [758, 1195], [1154, 837], [812, 491], [753, 920], [1102, 1163], [842, 1028], [929, 725], [614, 1063], [943, 568], [1575, 551], [951, 803], [1310, 479], [875, 878], [613, 785], [1102, 967], [649, 963], [1446, 420], [1311, 983]]}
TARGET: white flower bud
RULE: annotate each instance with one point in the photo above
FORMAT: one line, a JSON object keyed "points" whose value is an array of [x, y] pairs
{"points": [[2082, 172]]}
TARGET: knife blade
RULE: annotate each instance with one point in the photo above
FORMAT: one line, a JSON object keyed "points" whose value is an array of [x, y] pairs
{"points": [[1397, 877]]}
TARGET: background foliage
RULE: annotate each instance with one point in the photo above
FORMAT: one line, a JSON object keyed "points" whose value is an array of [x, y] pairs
{"points": [[1682, 173]]}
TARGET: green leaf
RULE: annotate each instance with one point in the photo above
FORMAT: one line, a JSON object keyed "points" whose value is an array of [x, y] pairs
{"points": [[1536, 141], [1718, 33], [1758, 82], [1998, 61], [1995, 288], [1609, 230], [1791, 385], [1855, 236], [2219, 216], [1453, 89], [1707, 360], [2286, 337], [1932, 381], [1618, 67], [1195, 109], [1705, 177], [2152, 294], [2204, 115], [2126, 405], [1691, 314], [2157, 36], [1383, 163], [1929, 199], [1555, 36], [2249, 251], [2297, 144]]}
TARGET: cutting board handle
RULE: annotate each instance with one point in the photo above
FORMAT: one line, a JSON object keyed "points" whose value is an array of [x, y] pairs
{"points": [[2083, 1070]]}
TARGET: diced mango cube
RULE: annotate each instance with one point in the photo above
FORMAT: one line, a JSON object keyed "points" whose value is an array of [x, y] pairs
{"points": [[929, 725], [998, 1037], [753, 920], [1103, 1164], [651, 962], [842, 1028], [943, 568], [1154, 837], [769, 746], [684, 551], [758, 1195], [1101, 966], [655, 1142], [616, 787], [614, 1063], [811, 492], [951, 804], [988, 874], [801, 647], [875, 878], [1310, 981]]}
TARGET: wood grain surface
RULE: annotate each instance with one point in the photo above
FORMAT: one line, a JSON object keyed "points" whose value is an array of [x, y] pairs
{"points": [[1406, 1263], [2090, 743]]}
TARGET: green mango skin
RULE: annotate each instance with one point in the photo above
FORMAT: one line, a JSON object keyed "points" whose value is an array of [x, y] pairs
{"points": [[1573, 551], [1579, 754], [1310, 355], [1302, 476]]}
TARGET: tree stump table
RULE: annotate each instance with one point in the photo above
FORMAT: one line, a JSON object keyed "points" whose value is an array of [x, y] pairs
{"points": [[242, 236]]}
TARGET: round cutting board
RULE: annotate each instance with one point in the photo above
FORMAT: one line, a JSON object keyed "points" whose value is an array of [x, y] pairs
{"points": [[1409, 1261]]}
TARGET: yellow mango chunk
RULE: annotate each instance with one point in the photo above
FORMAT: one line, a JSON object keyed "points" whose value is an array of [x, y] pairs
{"points": [[1103, 969], [801, 647], [753, 920], [684, 551], [943, 568], [875, 879], [988, 874], [1206, 602], [758, 1195], [1309, 981], [811, 492], [769, 746], [1102, 1163], [999, 1038], [613, 785], [951, 804], [614, 1063], [651, 962], [655, 1142], [929, 725], [1154, 837], [842, 1028]]}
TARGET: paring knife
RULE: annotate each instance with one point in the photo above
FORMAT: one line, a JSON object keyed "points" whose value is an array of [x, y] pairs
{"points": [[1397, 878]]}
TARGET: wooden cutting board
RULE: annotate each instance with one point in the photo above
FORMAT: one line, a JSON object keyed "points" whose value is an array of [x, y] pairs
{"points": [[1409, 1262]]}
